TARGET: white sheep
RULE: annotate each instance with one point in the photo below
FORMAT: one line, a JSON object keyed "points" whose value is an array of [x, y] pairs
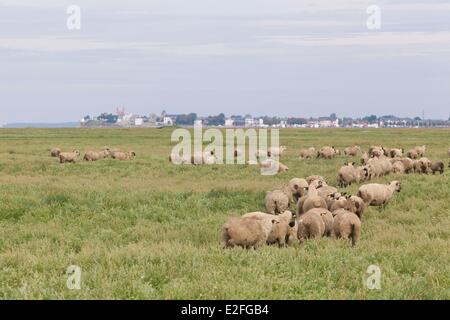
{"points": [[375, 194]]}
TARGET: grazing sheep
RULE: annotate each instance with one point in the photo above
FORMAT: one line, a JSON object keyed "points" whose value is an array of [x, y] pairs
{"points": [[69, 156], [327, 152], [95, 156], [55, 152], [365, 158], [347, 225], [420, 150], [246, 232], [348, 174], [277, 201], [123, 156], [338, 203], [356, 205], [298, 187], [352, 151], [310, 226], [437, 166], [327, 218], [408, 164], [307, 153], [378, 194]]}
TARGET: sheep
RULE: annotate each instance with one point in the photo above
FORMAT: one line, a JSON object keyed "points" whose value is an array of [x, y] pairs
{"points": [[307, 153], [364, 158], [177, 159], [55, 152], [349, 174], [412, 154], [246, 232], [261, 154], [69, 156], [94, 156], [396, 153], [272, 164], [281, 230], [424, 165], [311, 200], [408, 164], [376, 151], [327, 218], [276, 151], [352, 151], [298, 187], [277, 201], [356, 205], [437, 166], [378, 194], [338, 203], [315, 177], [347, 225], [327, 152], [398, 167], [123, 156], [310, 225], [420, 150]]}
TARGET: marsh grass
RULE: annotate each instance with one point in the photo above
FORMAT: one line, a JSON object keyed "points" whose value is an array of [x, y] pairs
{"points": [[147, 229]]}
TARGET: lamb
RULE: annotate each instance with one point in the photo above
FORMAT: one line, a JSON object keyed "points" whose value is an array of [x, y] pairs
{"points": [[420, 150], [347, 225], [124, 156], [352, 151], [277, 201], [55, 152], [310, 226], [437, 166], [246, 232], [348, 174], [307, 153], [94, 156], [298, 187], [69, 156], [281, 230], [378, 194]]}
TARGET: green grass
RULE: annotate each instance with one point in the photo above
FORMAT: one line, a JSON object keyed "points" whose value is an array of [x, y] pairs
{"points": [[148, 229]]}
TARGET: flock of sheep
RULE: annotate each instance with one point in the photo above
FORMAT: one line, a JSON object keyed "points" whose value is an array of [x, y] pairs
{"points": [[321, 210], [105, 152]]}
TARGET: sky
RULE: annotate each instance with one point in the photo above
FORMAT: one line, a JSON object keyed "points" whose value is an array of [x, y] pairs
{"points": [[259, 57]]}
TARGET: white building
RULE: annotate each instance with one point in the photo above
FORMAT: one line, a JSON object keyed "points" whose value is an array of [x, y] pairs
{"points": [[229, 122], [168, 121], [138, 122], [198, 123], [249, 122]]}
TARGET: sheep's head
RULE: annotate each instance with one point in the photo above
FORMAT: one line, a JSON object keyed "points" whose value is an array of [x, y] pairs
{"points": [[77, 153], [397, 185]]}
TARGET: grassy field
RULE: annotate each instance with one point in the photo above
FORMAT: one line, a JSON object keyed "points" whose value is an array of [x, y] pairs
{"points": [[148, 229]]}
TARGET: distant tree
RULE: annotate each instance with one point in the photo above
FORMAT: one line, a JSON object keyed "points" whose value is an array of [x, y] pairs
{"points": [[298, 121], [107, 117], [218, 120], [371, 119], [186, 119], [417, 119], [333, 117]]}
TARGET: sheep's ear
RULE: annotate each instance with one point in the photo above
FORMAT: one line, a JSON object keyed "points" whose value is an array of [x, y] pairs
{"points": [[353, 163], [357, 205]]}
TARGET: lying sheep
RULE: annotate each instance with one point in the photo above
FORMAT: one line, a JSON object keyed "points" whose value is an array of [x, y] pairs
{"points": [[378, 194], [124, 156], [307, 153], [95, 156], [277, 201], [252, 163], [246, 232], [281, 230], [352, 151], [55, 152], [347, 225], [65, 157], [310, 226], [437, 166], [175, 158]]}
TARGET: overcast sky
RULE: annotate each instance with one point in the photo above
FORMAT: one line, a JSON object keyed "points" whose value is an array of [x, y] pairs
{"points": [[274, 57]]}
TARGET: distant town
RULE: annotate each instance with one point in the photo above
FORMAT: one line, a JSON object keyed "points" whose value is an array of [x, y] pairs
{"points": [[124, 119]]}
